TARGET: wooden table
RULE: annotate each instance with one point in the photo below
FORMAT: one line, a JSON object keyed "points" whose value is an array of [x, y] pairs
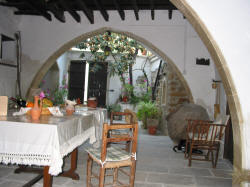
{"points": [[44, 142]]}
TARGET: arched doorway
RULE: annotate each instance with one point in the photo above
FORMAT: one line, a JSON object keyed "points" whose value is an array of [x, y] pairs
{"points": [[228, 84], [51, 60]]}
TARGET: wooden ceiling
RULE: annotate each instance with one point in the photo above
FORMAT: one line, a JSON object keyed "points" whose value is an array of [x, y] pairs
{"points": [[47, 8]]}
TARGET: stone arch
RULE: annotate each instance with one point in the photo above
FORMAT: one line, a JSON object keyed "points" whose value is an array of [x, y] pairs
{"points": [[52, 59], [232, 96]]}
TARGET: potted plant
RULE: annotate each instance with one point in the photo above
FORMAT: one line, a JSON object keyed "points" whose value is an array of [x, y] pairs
{"points": [[149, 113]]}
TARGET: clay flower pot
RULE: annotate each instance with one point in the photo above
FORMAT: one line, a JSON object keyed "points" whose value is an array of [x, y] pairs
{"points": [[92, 102], [152, 130]]}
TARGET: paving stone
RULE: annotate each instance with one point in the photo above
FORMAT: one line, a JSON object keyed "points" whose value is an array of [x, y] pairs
{"points": [[148, 185], [212, 181], [190, 171], [23, 177], [4, 171], [11, 184], [170, 179], [222, 173]]}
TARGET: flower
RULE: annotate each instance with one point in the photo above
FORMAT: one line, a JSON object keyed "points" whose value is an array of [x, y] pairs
{"points": [[42, 95]]}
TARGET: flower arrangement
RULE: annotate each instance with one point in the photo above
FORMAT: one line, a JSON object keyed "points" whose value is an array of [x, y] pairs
{"points": [[59, 94]]}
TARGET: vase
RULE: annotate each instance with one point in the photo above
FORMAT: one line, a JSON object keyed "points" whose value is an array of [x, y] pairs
{"points": [[36, 110]]}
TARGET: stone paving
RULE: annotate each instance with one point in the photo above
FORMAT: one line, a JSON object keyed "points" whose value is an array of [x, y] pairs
{"points": [[157, 166]]}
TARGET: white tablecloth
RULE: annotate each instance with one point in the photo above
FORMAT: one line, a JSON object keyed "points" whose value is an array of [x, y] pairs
{"points": [[43, 143], [100, 116]]}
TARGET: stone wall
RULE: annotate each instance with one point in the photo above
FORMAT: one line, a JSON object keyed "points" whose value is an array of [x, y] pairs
{"points": [[170, 93]]}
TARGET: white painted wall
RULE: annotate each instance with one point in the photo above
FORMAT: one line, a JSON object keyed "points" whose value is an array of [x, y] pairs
{"points": [[231, 32], [8, 26], [42, 38]]}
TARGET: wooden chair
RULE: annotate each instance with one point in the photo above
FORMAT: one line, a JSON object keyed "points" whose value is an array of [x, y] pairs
{"points": [[204, 135], [127, 117], [114, 157]]}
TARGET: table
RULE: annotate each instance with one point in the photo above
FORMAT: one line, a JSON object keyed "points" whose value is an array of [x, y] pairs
{"points": [[44, 142]]}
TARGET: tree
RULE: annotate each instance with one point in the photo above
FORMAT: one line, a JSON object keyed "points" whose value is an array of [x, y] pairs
{"points": [[121, 48]]}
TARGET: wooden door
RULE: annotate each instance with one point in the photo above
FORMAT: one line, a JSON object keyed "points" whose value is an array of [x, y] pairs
{"points": [[76, 79], [97, 85]]}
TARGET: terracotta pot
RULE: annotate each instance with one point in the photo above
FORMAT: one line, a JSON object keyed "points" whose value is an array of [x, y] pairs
{"points": [[36, 110], [125, 99], [152, 130], [92, 102]]}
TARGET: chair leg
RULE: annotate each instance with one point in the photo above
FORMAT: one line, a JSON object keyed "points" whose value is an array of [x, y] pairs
{"points": [[89, 171], [186, 150], [101, 176], [190, 154], [132, 174], [115, 176], [217, 156]]}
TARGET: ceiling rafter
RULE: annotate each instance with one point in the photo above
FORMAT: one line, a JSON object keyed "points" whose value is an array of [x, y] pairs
{"points": [[59, 14], [39, 9], [72, 12], [88, 12], [136, 9], [102, 10], [119, 9], [152, 9]]}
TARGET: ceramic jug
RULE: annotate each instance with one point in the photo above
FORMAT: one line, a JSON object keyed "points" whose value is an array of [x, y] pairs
{"points": [[36, 110]]}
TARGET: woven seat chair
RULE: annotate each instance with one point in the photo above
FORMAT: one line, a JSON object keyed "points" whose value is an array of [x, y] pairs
{"points": [[114, 156], [206, 136]]}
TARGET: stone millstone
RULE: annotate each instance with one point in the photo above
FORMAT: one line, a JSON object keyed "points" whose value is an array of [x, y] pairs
{"points": [[176, 121]]}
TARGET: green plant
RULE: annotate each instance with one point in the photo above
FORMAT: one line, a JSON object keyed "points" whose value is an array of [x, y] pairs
{"points": [[147, 110], [113, 108]]}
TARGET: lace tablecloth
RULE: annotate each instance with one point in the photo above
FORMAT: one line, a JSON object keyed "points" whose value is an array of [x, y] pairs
{"points": [[44, 142]]}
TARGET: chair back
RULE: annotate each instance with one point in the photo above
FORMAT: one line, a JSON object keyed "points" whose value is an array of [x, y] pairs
{"points": [[204, 131], [131, 137], [128, 116]]}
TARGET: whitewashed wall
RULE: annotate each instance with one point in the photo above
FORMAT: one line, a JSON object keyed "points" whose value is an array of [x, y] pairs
{"points": [[8, 26], [231, 32]]}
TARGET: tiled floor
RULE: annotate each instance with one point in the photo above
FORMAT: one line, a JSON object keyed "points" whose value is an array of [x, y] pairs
{"points": [[157, 166]]}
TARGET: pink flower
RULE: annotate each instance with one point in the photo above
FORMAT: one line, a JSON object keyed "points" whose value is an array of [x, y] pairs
{"points": [[42, 95], [145, 80]]}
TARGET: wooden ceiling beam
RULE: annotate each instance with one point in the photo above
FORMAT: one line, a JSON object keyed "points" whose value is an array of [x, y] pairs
{"points": [[119, 9], [170, 13], [59, 15], [152, 9], [136, 9], [88, 12], [39, 9], [102, 10], [73, 13], [27, 12]]}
